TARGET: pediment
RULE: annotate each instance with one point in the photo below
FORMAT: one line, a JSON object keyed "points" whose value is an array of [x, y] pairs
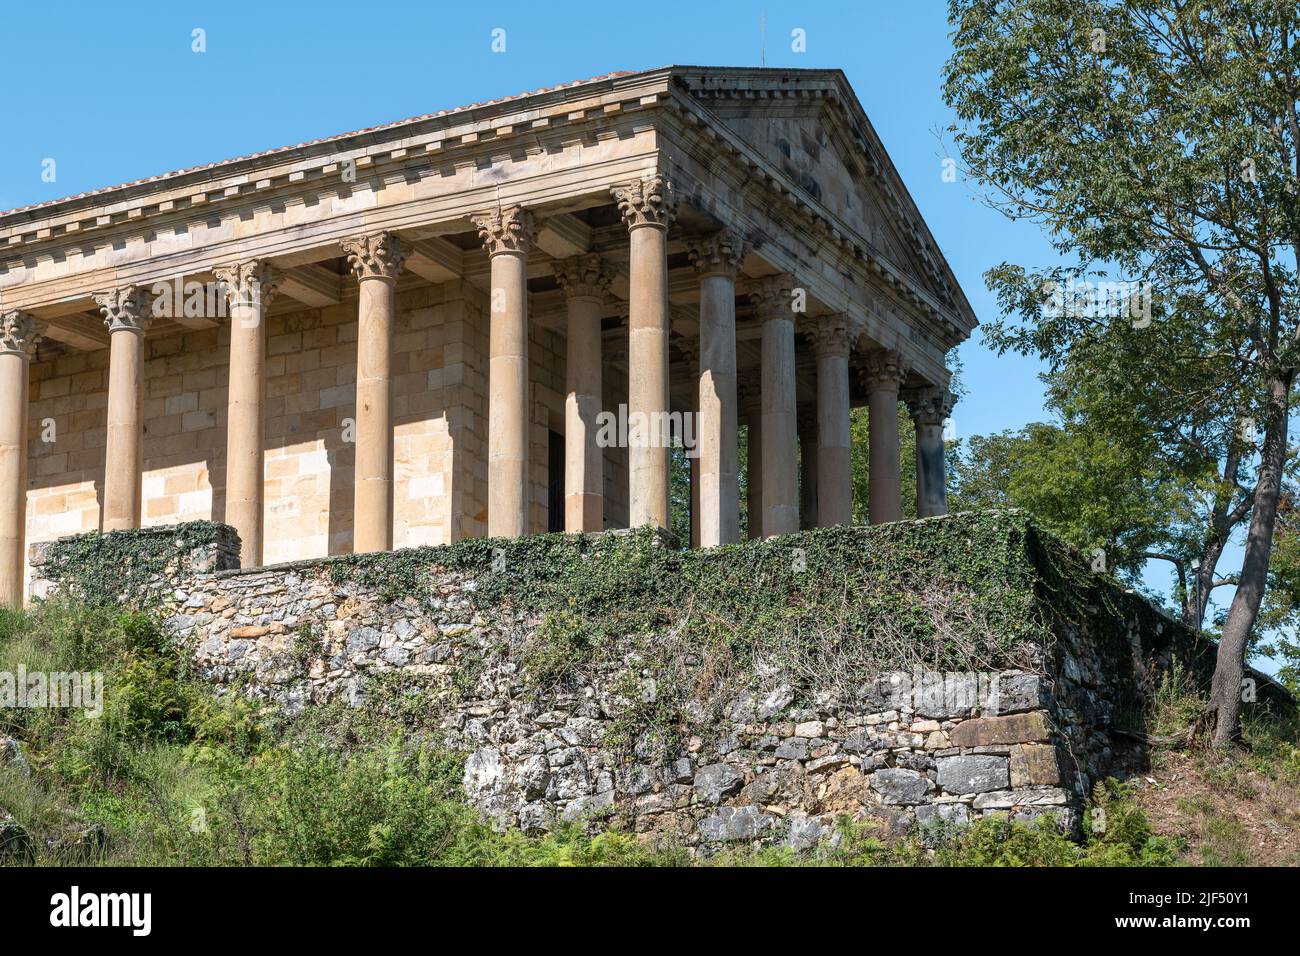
{"points": [[809, 140]]}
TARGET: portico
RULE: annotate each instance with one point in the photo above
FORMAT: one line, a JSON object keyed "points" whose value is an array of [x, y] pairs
{"points": [[419, 351]]}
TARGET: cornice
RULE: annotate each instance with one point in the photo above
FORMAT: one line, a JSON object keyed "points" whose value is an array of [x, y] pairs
{"points": [[455, 136], [428, 146]]}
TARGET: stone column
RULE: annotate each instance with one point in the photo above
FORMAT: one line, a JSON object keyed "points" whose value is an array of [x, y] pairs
{"points": [[831, 340], [690, 348], [648, 208], [507, 235], [751, 398], [376, 261], [694, 462], [127, 313], [929, 407], [249, 287], [884, 373], [19, 333], [808, 469], [585, 280], [717, 258], [780, 452]]}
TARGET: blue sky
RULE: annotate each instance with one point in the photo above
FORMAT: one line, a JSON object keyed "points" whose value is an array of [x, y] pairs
{"points": [[113, 95]]}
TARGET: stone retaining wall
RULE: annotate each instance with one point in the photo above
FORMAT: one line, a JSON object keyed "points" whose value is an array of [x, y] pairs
{"points": [[901, 751], [771, 763]]}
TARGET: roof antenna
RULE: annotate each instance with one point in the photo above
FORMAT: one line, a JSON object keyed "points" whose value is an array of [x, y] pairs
{"points": [[762, 38]]}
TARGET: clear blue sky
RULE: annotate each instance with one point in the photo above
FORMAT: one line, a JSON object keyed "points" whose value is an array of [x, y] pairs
{"points": [[114, 92]]}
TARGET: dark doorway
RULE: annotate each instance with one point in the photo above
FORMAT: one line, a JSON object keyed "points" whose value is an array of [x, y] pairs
{"points": [[555, 478]]}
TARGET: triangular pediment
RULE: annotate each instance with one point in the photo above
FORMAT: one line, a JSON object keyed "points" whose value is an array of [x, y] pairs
{"points": [[802, 129]]}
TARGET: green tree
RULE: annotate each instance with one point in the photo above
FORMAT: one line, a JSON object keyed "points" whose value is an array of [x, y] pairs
{"points": [[1097, 494], [1155, 140]]}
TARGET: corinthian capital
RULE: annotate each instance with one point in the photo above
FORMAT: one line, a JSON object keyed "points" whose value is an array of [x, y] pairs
{"points": [[128, 309], [773, 297], [377, 256], [646, 202], [929, 405], [586, 276], [505, 230], [884, 369], [19, 331], [252, 283], [831, 335], [718, 254]]}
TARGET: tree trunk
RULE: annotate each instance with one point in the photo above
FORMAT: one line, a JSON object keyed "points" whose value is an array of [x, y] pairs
{"points": [[1196, 596], [1229, 665]]}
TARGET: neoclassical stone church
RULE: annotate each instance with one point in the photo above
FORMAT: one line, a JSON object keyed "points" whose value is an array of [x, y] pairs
{"points": [[406, 335]]}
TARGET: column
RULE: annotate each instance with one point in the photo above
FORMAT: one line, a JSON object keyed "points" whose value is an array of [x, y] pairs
{"points": [[507, 235], [884, 373], [694, 462], [807, 469], [780, 453], [249, 287], [648, 207], [127, 313], [585, 281], [19, 333], [831, 340], [376, 261], [929, 407], [717, 258], [690, 348], [751, 397]]}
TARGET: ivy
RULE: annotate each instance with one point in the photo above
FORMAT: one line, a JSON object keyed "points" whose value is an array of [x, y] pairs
{"points": [[128, 567], [682, 631], [980, 590]]}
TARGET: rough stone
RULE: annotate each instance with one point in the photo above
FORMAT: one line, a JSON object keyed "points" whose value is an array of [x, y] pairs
{"points": [[901, 787], [1011, 799], [728, 824], [1019, 692], [1034, 765], [804, 833], [932, 813], [1012, 729], [973, 774], [716, 781], [537, 755], [792, 750], [16, 845]]}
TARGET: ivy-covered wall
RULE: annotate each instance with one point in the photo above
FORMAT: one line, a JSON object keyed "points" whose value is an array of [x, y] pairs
{"points": [[916, 671], [135, 567]]}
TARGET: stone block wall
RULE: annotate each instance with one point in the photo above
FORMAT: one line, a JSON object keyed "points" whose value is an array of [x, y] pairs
{"points": [[910, 748], [906, 748], [440, 359], [773, 758], [169, 554]]}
